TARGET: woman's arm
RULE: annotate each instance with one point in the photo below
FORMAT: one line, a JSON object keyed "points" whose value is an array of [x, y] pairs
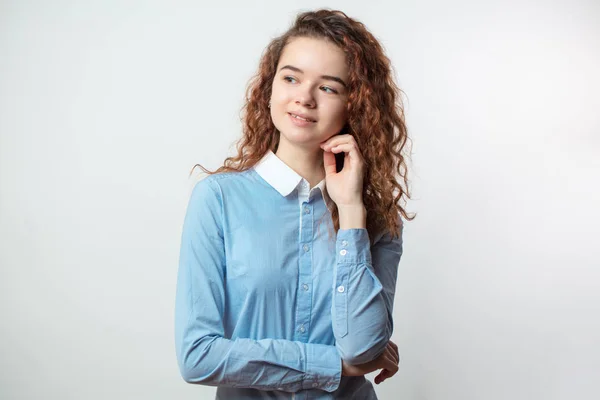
{"points": [[363, 293], [204, 355], [364, 276]]}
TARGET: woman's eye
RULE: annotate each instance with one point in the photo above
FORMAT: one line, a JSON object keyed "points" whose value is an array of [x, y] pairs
{"points": [[327, 89], [289, 79]]}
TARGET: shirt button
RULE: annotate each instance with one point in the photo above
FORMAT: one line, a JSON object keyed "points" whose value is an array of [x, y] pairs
{"points": [[315, 384], [344, 243], [341, 289], [305, 247], [306, 210], [302, 328], [305, 287], [343, 252]]}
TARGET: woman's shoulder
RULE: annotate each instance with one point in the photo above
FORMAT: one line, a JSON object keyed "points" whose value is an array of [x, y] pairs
{"points": [[215, 177], [223, 181]]}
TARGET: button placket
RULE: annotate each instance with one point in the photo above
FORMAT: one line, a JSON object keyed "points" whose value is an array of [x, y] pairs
{"points": [[303, 291]]}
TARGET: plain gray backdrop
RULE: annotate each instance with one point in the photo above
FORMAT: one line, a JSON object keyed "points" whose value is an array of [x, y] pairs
{"points": [[106, 105]]}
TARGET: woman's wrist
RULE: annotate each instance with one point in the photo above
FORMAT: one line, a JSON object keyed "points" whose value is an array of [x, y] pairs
{"points": [[344, 369], [352, 216]]}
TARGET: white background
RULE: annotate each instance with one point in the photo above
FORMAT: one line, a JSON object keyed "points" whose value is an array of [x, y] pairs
{"points": [[106, 105]]}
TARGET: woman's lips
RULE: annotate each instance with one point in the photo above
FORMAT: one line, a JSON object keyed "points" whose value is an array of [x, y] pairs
{"points": [[299, 121]]}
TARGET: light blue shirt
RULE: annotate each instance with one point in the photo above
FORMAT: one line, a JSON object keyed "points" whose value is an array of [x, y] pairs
{"points": [[269, 299]]}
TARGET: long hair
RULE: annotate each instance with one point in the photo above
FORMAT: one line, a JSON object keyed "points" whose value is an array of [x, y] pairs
{"points": [[375, 115]]}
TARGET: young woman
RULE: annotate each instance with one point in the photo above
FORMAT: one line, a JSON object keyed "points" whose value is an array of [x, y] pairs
{"points": [[290, 250]]}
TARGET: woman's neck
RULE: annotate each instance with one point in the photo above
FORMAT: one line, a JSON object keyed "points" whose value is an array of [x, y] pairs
{"points": [[308, 163]]}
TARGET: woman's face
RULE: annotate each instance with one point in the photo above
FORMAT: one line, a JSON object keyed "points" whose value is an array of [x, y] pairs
{"points": [[310, 82]]}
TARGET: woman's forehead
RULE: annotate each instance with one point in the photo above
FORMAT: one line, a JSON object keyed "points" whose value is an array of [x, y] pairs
{"points": [[314, 56]]}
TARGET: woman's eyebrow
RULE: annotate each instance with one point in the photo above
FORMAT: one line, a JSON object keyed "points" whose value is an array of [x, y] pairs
{"points": [[327, 77]]}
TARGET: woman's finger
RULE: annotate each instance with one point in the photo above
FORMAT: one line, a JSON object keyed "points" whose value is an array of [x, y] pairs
{"points": [[338, 139], [389, 350], [390, 354], [382, 376], [394, 350], [329, 163], [390, 368], [347, 148], [388, 361]]}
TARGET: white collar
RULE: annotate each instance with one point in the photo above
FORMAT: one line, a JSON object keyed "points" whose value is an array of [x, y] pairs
{"points": [[284, 179]]}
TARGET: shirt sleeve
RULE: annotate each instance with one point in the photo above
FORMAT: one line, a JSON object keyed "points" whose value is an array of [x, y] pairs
{"points": [[363, 293], [204, 355]]}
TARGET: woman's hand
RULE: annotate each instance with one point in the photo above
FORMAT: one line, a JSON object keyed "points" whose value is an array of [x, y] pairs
{"points": [[345, 187], [387, 362]]}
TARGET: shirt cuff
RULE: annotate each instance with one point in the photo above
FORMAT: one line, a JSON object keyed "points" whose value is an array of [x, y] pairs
{"points": [[323, 368], [353, 246]]}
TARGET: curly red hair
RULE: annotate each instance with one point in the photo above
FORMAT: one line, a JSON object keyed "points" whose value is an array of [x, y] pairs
{"points": [[375, 115]]}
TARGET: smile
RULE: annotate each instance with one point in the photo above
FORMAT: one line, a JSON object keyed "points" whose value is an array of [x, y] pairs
{"points": [[300, 118]]}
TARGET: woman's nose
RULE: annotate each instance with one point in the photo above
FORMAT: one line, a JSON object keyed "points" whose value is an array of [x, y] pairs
{"points": [[305, 98]]}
